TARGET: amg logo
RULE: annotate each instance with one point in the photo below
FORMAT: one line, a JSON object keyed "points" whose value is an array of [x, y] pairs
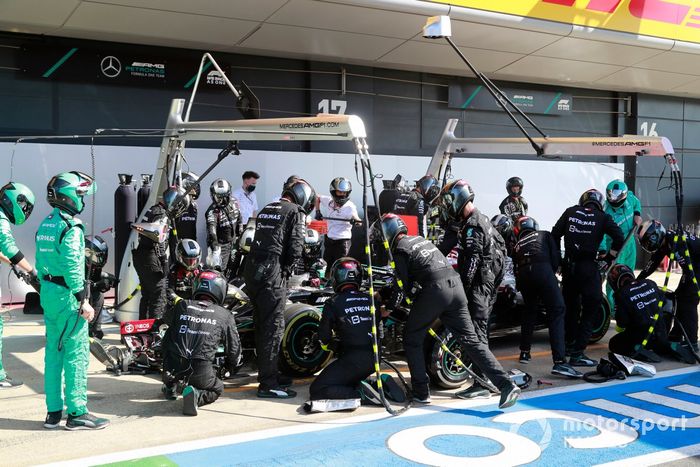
{"points": [[148, 65], [297, 126], [621, 143]]}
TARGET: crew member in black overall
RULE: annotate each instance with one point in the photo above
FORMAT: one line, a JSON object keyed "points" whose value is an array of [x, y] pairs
{"points": [[196, 329], [537, 258], [435, 290], [345, 328], [514, 205], [276, 247], [184, 270], [151, 257], [96, 254], [223, 221], [583, 227], [417, 202], [186, 223], [655, 239]]}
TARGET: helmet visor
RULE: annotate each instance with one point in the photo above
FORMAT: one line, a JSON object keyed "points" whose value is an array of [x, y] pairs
{"points": [[25, 205], [86, 185], [616, 195]]}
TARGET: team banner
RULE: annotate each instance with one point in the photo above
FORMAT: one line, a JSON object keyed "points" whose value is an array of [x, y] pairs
{"points": [[476, 97], [669, 19]]}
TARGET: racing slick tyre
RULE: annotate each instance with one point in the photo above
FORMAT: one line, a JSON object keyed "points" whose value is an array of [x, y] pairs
{"points": [[442, 368], [301, 353], [601, 322]]}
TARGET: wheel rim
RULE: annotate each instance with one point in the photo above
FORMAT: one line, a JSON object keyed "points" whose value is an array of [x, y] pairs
{"points": [[449, 363], [304, 343]]}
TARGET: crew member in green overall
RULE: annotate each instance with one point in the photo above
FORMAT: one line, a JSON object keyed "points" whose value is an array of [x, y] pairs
{"points": [[626, 211], [16, 204], [60, 263]]}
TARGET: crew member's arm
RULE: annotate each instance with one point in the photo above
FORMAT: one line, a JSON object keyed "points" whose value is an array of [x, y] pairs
{"points": [[212, 221], [653, 263], [615, 233], [72, 261], [524, 203], [9, 250], [450, 239], [172, 313], [502, 207], [473, 255], [636, 208], [559, 229], [232, 345], [623, 317], [296, 224], [554, 252], [325, 327]]}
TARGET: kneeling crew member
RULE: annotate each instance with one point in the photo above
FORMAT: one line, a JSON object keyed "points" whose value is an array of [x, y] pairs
{"points": [[439, 294], [347, 316], [276, 248], [185, 269], [196, 328], [537, 259], [583, 227]]}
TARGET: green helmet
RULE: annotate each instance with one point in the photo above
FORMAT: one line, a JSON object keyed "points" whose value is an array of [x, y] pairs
{"points": [[66, 191], [17, 201], [616, 192]]}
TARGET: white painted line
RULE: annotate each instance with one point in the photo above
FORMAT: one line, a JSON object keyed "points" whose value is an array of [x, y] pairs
{"points": [[296, 429], [657, 457], [667, 401], [687, 388], [639, 414]]}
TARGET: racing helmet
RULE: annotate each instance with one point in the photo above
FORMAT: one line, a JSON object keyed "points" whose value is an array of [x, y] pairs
{"points": [[190, 180], [220, 191], [246, 238], [592, 198], [210, 284], [652, 235], [524, 224], [616, 193], [343, 185], [291, 179], [503, 224], [66, 190], [346, 271], [188, 253], [619, 275], [301, 194], [96, 251], [429, 187], [176, 201], [392, 226], [17, 202], [454, 196], [512, 183]]}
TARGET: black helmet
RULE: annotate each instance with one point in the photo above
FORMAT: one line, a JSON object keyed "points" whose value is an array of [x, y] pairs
{"points": [[503, 224], [652, 235], [190, 180], [341, 184], [392, 226], [188, 253], [211, 284], [512, 183], [291, 179], [96, 251], [524, 224], [175, 201], [429, 187], [302, 194], [618, 275], [454, 196], [593, 198], [220, 191], [346, 271]]}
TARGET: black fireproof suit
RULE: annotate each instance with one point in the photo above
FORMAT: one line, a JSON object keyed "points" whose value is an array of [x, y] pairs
{"points": [[583, 230], [411, 203], [347, 313], [223, 227], [687, 292], [277, 246], [186, 227], [480, 261], [100, 283], [181, 281], [151, 264], [421, 267], [513, 207], [196, 329], [636, 303], [536, 257]]}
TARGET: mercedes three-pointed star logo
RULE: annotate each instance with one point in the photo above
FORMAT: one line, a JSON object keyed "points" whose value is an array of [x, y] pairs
{"points": [[111, 66]]}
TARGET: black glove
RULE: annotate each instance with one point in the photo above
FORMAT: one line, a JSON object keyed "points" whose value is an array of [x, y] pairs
{"points": [[318, 216], [396, 298], [33, 280]]}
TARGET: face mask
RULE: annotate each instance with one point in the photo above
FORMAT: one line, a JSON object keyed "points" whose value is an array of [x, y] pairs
{"points": [[250, 188]]}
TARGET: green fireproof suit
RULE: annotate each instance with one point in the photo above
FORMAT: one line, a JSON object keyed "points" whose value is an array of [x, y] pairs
{"points": [[60, 253], [624, 218], [10, 250]]}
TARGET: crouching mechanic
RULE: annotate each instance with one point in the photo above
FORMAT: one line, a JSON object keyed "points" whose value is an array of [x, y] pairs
{"points": [[347, 315], [16, 204], [436, 292], [196, 328], [640, 315], [60, 262]]}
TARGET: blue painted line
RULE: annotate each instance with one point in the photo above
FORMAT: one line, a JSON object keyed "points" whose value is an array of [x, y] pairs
{"points": [[60, 62], [366, 443]]}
